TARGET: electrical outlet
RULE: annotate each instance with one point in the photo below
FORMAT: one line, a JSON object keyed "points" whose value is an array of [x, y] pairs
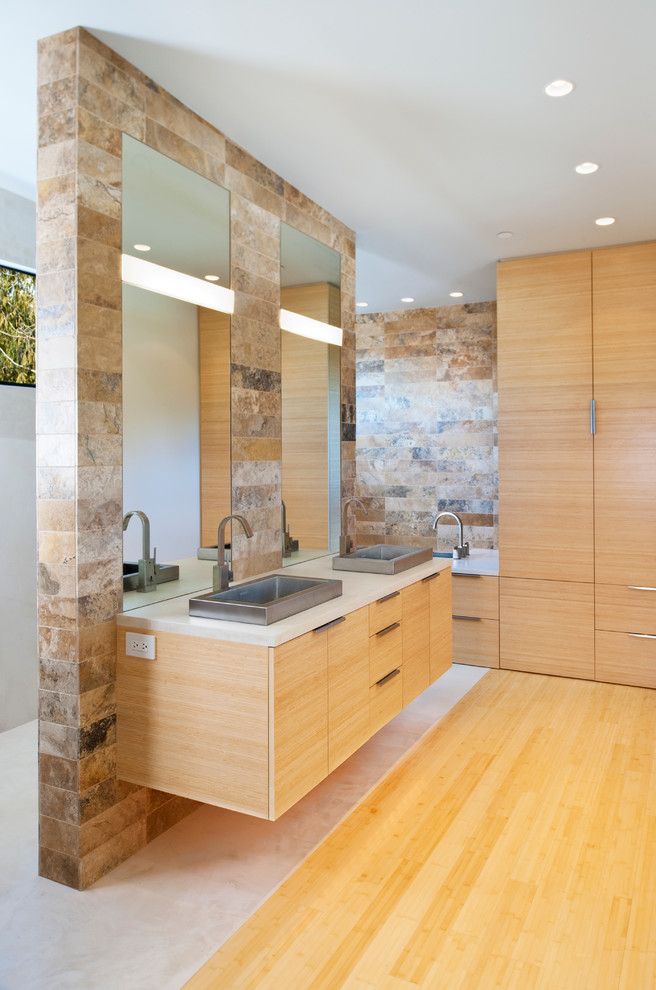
{"points": [[138, 645]]}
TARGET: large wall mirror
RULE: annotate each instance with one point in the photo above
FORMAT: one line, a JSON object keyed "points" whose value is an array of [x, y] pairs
{"points": [[176, 370], [310, 287]]}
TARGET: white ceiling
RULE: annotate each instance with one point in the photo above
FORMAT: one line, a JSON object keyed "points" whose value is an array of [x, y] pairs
{"points": [[422, 124]]}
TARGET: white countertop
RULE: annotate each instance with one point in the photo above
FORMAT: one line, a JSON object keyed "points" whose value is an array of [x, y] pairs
{"points": [[358, 589], [484, 562]]}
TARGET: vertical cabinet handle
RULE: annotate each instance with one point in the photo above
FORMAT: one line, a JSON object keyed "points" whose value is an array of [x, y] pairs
{"points": [[593, 424]]}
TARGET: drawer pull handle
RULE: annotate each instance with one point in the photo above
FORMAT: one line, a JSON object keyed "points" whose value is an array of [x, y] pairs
{"points": [[388, 677], [641, 635], [388, 629], [430, 577], [329, 625], [386, 598], [468, 618], [637, 587], [460, 574]]}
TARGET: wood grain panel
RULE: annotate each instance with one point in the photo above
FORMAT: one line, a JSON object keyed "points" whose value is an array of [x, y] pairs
{"points": [[441, 635], [624, 659], [348, 686], [476, 642], [624, 286], [625, 609], [547, 627], [195, 721], [214, 421], [546, 484], [299, 744], [385, 653], [385, 701], [319, 301], [384, 612], [544, 313], [416, 640], [305, 440], [625, 483], [476, 595]]}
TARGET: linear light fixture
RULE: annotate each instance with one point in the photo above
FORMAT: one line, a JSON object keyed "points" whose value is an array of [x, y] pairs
{"points": [[168, 282], [304, 326]]}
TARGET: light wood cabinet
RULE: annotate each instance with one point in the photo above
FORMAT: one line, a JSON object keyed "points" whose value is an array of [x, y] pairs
{"points": [[476, 619], [348, 686], [576, 502], [300, 720], [416, 640], [547, 627], [624, 285], [195, 721], [545, 443], [441, 636], [255, 728], [625, 618]]}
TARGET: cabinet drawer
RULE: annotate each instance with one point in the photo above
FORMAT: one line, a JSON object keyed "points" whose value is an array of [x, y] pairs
{"points": [[476, 642], [476, 595], [385, 652], [624, 659], [385, 700], [384, 612], [625, 609]]}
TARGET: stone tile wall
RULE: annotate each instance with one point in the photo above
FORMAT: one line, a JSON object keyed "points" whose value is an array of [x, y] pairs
{"points": [[427, 424], [88, 96]]}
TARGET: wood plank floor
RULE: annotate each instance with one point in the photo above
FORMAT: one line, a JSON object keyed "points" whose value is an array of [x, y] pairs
{"points": [[514, 847]]}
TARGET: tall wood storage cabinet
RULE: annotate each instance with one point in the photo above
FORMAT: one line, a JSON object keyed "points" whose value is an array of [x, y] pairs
{"points": [[577, 506]]}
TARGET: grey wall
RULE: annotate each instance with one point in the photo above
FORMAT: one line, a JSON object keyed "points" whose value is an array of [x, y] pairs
{"points": [[18, 627], [17, 230]]}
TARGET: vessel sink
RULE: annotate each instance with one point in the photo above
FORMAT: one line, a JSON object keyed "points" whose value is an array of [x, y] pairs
{"points": [[383, 558], [266, 600], [163, 573]]}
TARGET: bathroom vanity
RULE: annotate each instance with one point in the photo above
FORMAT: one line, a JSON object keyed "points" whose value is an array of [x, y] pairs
{"points": [[250, 717]]}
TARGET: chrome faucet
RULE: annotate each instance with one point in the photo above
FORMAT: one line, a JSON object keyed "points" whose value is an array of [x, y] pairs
{"points": [[346, 542], [147, 565], [221, 573], [462, 550]]}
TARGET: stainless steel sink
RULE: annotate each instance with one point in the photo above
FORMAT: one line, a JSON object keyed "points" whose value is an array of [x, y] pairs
{"points": [[163, 573], [383, 558], [266, 600]]}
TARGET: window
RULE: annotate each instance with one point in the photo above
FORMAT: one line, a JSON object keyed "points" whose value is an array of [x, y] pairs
{"points": [[17, 327]]}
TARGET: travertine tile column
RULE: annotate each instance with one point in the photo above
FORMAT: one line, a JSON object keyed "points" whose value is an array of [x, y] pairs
{"points": [[88, 96]]}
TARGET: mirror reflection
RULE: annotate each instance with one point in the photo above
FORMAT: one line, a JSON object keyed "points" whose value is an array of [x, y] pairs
{"points": [[176, 379], [311, 469]]}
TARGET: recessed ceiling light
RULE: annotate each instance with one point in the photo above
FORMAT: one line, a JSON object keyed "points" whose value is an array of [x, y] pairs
{"points": [[141, 247], [559, 87], [605, 221], [586, 168], [503, 234], [362, 304], [212, 278], [456, 295], [407, 299]]}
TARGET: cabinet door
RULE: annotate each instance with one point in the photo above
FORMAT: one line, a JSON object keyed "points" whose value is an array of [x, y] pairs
{"points": [[299, 746], [475, 641], [547, 627], [545, 443], [624, 284], [441, 635], [416, 640], [348, 686]]}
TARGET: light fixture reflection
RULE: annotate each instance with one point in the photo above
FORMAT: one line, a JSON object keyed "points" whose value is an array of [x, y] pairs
{"points": [[304, 326], [168, 282]]}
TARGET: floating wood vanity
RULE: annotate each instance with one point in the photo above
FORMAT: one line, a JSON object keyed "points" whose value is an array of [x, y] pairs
{"points": [[251, 718]]}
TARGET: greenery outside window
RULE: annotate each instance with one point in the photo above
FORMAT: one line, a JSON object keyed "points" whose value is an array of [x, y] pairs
{"points": [[17, 327]]}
